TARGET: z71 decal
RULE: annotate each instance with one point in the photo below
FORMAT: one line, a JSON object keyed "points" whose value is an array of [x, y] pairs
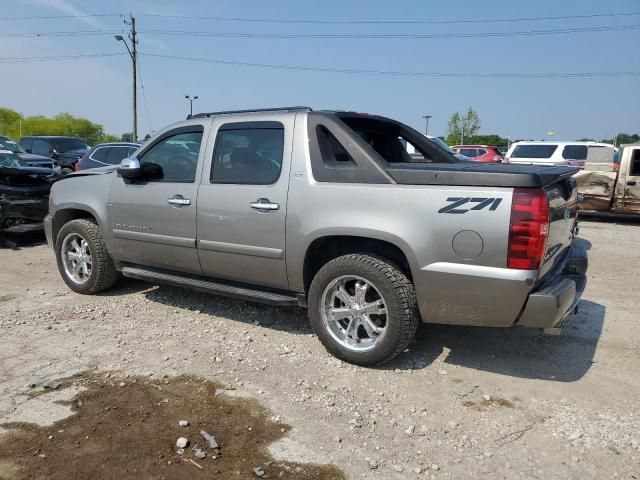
{"points": [[480, 204]]}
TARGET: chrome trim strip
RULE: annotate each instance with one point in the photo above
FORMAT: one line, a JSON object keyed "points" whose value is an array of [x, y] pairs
{"points": [[155, 238], [251, 250]]}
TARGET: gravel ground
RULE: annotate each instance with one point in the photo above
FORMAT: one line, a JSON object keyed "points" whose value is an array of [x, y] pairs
{"points": [[462, 403]]}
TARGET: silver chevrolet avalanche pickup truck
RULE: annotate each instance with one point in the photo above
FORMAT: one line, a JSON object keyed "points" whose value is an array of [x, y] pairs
{"points": [[329, 211]]}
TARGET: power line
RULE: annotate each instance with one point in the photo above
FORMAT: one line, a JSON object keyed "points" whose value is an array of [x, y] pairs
{"points": [[58, 34], [390, 36], [396, 72], [50, 17], [388, 22], [56, 57], [346, 36]]}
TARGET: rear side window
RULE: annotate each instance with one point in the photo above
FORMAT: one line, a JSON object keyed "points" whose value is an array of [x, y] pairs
{"points": [[332, 151], [574, 152], [248, 156], [100, 154], [468, 152], [534, 151], [116, 154]]}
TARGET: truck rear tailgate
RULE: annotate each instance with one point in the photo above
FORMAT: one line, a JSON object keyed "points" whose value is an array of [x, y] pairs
{"points": [[563, 209]]}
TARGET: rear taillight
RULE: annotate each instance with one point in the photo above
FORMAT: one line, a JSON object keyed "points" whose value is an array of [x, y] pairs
{"points": [[528, 228]]}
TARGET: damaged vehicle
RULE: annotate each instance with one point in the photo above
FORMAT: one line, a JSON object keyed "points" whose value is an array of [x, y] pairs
{"points": [[24, 194], [328, 210], [610, 184]]}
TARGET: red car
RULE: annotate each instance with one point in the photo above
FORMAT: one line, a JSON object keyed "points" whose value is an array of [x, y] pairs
{"points": [[480, 153]]}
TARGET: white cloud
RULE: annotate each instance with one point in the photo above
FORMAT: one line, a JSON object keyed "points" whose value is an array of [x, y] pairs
{"points": [[65, 7]]}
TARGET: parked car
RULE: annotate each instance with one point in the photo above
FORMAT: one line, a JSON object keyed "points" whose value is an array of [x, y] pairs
{"points": [[417, 156], [106, 154], [30, 159], [24, 194], [611, 184], [480, 153], [326, 209], [553, 153], [66, 150]]}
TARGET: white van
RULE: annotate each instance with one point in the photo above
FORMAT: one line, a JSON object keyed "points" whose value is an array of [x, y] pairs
{"points": [[557, 153]]}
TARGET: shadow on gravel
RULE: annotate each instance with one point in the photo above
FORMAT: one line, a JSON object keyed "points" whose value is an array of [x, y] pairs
{"points": [[129, 430], [16, 241], [291, 319], [517, 352]]}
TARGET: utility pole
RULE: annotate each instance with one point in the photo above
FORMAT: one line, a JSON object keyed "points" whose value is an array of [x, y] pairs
{"points": [[426, 130], [133, 53], [462, 135]]}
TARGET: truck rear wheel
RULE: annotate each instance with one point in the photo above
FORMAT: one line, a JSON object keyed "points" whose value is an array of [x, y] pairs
{"points": [[83, 260], [363, 309]]}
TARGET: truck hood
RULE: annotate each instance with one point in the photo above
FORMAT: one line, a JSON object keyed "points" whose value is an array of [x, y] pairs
{"points": [[476, 174]]}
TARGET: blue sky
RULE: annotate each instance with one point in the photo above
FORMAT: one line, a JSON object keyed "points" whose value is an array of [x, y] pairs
{"points": [[99, 88]]}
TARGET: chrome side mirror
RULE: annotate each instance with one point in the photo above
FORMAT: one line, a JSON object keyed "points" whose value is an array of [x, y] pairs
{"points": [[130, 168]]}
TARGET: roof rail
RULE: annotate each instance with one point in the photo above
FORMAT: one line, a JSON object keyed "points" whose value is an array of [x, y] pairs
{"points": [[253, 110]]}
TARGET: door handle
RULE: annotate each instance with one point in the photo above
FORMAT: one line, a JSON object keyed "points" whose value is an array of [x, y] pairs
{"points": [[264, 205], [179, 201], [631, 183]]}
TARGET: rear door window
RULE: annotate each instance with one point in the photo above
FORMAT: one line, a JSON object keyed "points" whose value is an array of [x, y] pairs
{"points": [[574, 152], [534, 151], [469, 152], [248, 156]]}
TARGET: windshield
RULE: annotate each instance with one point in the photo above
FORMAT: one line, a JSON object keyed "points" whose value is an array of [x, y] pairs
{"points": [[8, 144], [8, 159], [67, 144]]}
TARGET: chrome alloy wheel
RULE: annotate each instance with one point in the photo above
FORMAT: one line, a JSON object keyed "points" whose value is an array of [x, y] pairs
{"points": [[354, 313], [76, 258]]}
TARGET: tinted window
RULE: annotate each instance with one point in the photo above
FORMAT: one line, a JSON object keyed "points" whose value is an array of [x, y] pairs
{"points": [[332, 151], [248, 156], [116, 154], [635, 163], [26, 143], [100, 154], [481, 152], [65, 144], [575, 152], [534, 151], [469, 152], [177, 155], [40, 147]]}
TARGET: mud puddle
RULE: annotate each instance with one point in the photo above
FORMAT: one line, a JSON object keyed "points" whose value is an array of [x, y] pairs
{"points": [[127, 428]]}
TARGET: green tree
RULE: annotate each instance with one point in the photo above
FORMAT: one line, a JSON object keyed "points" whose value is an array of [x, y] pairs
{"points": [[61, 124], [462, 126]]}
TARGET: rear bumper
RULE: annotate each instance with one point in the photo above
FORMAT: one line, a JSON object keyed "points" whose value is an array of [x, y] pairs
{"points": [[558, 296]]}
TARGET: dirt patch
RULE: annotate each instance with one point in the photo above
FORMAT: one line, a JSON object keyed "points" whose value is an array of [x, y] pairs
{"points": [[127, 428]]}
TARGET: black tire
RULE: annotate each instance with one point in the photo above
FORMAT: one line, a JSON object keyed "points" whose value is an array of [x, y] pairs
{"points": [[400, 299], [103, 273]]}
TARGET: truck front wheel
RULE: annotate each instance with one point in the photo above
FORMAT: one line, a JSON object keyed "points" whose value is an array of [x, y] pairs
{"points": [[83, 260], [363, 309]]}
